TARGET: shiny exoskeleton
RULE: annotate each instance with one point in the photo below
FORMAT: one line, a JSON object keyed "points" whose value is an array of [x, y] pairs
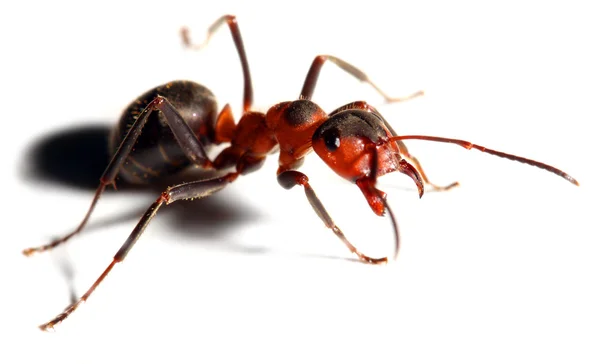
{"points": [[173, 126], [157, 154]]}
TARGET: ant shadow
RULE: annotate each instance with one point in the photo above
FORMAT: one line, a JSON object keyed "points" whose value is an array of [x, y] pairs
{"points": [[76, 158]]}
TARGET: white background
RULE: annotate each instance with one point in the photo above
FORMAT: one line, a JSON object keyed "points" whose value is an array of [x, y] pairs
{"points": [[502, 269]]}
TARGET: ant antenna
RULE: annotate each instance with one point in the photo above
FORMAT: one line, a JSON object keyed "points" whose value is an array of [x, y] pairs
{"points": [[468, 145]]}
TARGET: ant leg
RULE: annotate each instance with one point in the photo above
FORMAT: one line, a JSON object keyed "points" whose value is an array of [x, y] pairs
{"points": [[184, 136], [315, 69], [362, 105], [239, 45], [291, 178], [191, 190], [57, 242]]}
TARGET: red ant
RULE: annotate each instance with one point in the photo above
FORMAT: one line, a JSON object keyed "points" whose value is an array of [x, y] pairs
{"points": [[180, 123]]}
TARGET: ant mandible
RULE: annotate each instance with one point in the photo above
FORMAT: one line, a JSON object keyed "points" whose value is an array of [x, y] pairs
{"points": [[180, 123]]}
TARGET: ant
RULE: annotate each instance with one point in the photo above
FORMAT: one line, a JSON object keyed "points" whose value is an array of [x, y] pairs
{"points": [[180, 123]]}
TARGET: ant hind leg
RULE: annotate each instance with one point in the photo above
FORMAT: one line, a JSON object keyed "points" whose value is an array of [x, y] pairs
{"points": [[191, 190]]}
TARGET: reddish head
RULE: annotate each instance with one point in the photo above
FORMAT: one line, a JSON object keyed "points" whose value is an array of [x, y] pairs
{"points": [[356, 145]]}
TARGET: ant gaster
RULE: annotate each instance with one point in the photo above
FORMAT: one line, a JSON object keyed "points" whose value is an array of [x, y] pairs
{"points": [[172, 126]]}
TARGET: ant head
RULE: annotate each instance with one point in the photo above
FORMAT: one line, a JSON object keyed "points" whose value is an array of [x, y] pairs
{"points": [[344, 141], [356, 145]]}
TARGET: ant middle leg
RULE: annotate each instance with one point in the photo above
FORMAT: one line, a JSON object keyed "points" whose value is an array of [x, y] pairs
{"points": [[231, 21], [290, 178], [310, 82], [191, 190], [184, 135]]}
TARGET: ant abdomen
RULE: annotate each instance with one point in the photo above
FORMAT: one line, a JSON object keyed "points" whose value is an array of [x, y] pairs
{"points": [[156, 154]]}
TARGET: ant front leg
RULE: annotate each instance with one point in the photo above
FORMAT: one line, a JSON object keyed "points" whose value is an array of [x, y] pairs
{"points": [[184, 135], [189, 190], [239, 45], [362, 105], [291, 178], [315, 69]]}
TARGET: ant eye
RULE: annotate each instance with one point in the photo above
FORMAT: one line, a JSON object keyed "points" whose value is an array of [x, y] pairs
{"points": [[332, 139]]}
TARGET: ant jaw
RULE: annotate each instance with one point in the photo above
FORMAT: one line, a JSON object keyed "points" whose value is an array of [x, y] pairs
{"points": [[412, 172]]}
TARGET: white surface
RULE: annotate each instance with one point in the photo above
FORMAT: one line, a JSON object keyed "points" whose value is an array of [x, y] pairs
{"points": [[503, 269]]}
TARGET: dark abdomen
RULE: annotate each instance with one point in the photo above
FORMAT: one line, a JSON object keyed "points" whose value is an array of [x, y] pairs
{"points": [[156, 153]]}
